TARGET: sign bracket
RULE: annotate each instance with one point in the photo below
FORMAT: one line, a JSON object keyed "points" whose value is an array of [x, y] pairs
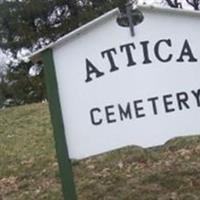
{"points": [[130, 16], [129, 7]]}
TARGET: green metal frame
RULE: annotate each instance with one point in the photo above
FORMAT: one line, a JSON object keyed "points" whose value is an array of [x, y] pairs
{"points": [[64, 162]]}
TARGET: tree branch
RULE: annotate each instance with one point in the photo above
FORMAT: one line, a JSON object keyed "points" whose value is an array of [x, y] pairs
{"points": [[194, 4], [174, 4]]}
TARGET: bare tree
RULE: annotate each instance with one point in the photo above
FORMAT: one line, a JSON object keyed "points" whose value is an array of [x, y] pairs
{"points": [[178, 4], [174, 3], [194, 3]]}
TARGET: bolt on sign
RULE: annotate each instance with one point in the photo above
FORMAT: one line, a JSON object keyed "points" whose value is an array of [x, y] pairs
{"points": [[108, 89]]}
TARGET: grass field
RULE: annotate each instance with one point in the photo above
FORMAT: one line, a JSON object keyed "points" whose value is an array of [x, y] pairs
{"points": [[28, 166]]}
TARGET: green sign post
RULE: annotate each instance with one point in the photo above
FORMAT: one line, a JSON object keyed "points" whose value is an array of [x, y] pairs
{"points": [[64, 161]]}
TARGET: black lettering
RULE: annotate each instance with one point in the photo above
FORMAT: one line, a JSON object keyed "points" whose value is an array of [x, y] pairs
{"points": [[186, 51], [153, 101], [125, 113], [145, 52], [127, 48], [109, 55], [109, 114], [138, 109], [157, 53], [182, 99], [91, 69], [93, 119], [167, 103], [197, 96]]}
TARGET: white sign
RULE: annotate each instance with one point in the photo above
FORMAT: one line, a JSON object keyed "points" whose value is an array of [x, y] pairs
{"points": [[117, 90]]}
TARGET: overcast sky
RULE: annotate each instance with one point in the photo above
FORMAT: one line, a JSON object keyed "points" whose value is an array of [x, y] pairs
{"points": [[2, 60]]}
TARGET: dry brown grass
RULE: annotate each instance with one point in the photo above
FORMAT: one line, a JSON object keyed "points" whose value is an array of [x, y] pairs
{"points": [[28, 167]]}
